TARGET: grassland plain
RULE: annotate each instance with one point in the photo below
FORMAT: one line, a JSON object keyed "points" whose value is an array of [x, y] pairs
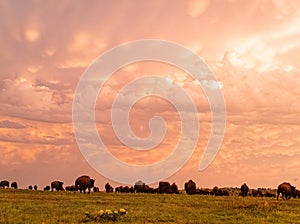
{"points": [[27, 206]]}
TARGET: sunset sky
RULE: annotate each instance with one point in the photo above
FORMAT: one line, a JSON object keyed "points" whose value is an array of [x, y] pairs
{"points": [[252, 47]]}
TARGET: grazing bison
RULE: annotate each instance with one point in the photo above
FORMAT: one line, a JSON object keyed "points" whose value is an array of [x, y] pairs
{"points": [[286, 190], [297, 194], [163, 187], [257, 193], [190, 187], [70, 188], [125, 189], [57, 185], [269, 194], [84, 182], [108, 188], [14, 185], [203, 191], [47, 188], [244, 190], [96, 189], [4, 183]]}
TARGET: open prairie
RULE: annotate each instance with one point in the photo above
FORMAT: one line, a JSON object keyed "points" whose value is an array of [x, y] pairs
{"points": [[27, 206]]}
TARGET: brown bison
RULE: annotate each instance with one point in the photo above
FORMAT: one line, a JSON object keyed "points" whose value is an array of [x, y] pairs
{"points": [[297, 194], [125, 189], [203, 191], [84, 182], [174, 189], [257, 193], [139, 187], [108, 188], [190, 187], [47, 188], [286, 190], [96, 189], [35, 187], [226, 193], [269, 194], [215, 191], [164, 187], [57, 185], [4, 183], [148, 189], [119, 189], [30, 187], [244, 190], [14, 185], [70, 188]]}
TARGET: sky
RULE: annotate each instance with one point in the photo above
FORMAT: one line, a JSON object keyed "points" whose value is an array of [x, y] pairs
{"points": [[252, 47]]}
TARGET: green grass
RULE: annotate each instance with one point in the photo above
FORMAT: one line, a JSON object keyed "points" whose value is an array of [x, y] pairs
{"points": [[25, 206]]}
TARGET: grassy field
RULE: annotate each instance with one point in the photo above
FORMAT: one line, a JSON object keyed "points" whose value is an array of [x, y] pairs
{"points": [[26, 206]]}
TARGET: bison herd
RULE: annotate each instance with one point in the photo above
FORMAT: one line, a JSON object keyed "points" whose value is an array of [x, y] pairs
{"points": [[85, 183], [285, 190]]}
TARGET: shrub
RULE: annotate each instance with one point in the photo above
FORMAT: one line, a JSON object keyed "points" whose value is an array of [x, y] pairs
{"points": [[104, 215]]}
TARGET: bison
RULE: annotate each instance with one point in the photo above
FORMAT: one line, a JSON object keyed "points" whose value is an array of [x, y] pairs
{"points": [[47, 188], [286, 190], [84, 182], [215, 191], [226, 193], [244, 190], [174, 189], [57, 185], [269, 194], [4, 183], [257, 193], [203, 191], [14, 185], [139, 187], [35, 187], [190, 187], [30, 187], [119, 189], [96, 189], [125, 189], [70, 188], [108, 188], [297, 194], [164, 187]]}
